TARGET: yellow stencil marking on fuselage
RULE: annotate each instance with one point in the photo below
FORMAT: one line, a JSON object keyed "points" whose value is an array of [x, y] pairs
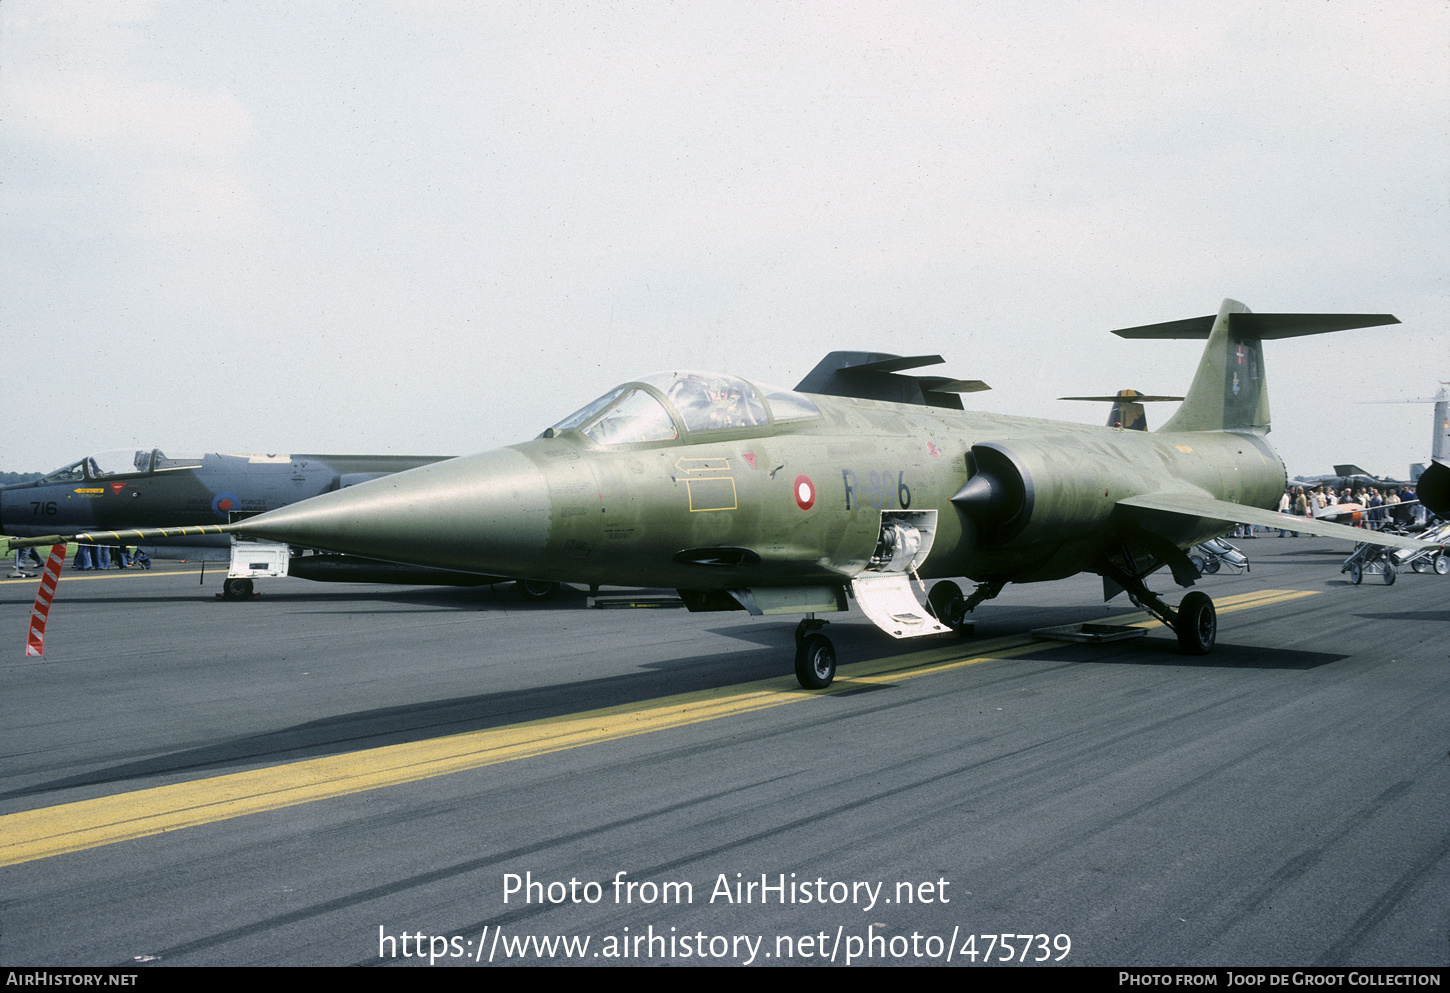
{"points": [[72, 827]]}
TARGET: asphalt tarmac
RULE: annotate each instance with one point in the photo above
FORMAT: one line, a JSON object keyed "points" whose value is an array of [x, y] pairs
{"points": [[340, 775]]}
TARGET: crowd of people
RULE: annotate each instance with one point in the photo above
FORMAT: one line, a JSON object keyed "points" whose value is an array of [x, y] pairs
{"points": [[1374, 507]]}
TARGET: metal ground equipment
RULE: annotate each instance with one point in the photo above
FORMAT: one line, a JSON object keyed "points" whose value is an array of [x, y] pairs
{"points": [[1216, 554], [1428, 559], [1370, 560]]}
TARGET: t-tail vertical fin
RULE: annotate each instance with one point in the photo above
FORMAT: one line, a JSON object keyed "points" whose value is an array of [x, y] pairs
{"points": [[1230, 391]]}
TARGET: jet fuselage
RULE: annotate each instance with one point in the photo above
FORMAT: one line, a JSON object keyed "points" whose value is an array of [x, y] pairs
{"points": [[789, 504]]}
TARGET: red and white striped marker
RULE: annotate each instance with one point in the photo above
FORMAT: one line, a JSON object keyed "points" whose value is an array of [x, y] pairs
{"points": [[35, 642]]}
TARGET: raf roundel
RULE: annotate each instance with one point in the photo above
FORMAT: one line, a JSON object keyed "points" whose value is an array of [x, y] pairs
{"points": [[805, 492]]}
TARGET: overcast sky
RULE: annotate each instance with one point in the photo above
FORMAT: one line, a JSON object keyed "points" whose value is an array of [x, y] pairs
{"points": [[438, 227]]}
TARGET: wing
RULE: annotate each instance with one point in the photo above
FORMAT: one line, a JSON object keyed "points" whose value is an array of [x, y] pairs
{"points": [[1192, 505]]}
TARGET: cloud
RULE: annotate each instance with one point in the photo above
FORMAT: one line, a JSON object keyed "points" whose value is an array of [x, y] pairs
{"points": [[90, 111], [108, 117]]}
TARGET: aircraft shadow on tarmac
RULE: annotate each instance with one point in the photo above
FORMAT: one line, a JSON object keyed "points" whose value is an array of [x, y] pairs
{"points": [[1164, 652], [420, 721], [1414, 616], [866, 641]]}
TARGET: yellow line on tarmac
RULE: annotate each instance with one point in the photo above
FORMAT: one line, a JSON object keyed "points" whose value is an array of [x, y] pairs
{"points": [[72, 827]]}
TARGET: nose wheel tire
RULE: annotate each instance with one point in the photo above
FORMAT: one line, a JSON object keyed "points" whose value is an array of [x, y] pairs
{"points": [[946, 603], [1196, 624], [815, 662], [237, 589]]}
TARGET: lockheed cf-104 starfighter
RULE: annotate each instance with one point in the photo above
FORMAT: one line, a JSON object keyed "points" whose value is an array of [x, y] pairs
{"points": [[855, 484]]}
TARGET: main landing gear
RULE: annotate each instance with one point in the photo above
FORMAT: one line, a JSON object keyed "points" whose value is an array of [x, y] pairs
{"points": [[815, 656], [537, 590], [1194, 621], [946, 603]]}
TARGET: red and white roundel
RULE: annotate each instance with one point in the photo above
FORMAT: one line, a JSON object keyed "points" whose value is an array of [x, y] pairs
{"points": [[805, 492]]}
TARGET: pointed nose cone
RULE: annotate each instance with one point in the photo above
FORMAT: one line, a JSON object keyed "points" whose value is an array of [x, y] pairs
{"points": [[485, 513], [986, 498]]}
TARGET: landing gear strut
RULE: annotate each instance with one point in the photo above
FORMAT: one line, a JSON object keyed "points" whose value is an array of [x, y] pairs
{"points": [[815, 656], [984, 591], [1195, 621]]}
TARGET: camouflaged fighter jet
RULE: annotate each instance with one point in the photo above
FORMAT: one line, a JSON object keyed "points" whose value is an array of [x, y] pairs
{"points": [[749, 497]]}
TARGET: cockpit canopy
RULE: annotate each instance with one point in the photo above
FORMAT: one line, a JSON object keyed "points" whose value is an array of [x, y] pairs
{"points": [[121, 462], [659, 407]]}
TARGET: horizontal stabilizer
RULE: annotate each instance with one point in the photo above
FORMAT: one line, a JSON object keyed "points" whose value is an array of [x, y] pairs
{"points": [[1125, 395], [1192, 505], [1265, 327], [1127, 412], [1349, 470]]}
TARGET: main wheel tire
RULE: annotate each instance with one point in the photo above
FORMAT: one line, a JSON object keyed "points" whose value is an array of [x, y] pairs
{"points": [[237, 589], [945, 602], [815, 662], [537, 590], [1355, 574], [1442, 565], [1389, 573], [1196, 624]]}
